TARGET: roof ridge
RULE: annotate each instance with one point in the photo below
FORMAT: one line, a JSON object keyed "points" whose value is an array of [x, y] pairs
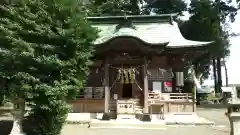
{"points": [[133, 18]]}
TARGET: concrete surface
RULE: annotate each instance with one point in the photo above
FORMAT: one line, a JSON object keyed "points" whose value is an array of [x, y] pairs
{"points": [[187, 119], [196, 130], [216, 115], [128, 124], [173, 118]]}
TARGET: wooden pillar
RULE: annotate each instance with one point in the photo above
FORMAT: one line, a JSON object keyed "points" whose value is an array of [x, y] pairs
{"points": [[174, 82], [146, 116], [145, 82], [177, 68], [106, 86], [107, 90]]}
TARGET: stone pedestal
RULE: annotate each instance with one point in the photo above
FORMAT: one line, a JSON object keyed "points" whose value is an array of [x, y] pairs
{"points": [[146, 117], [125, 106], [17, 122], [18, 115], [233, 114], [106, 116], [125, 109], [234, 119]]}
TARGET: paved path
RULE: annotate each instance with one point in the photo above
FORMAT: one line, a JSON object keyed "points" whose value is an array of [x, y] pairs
{"points": [[216, 115], [199, 130]]}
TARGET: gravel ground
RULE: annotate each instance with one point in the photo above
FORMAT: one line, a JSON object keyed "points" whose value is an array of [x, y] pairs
{"points": [[199, 130]]}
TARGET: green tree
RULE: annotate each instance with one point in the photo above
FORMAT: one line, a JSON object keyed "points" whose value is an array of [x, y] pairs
{"points": [[165, 6], [45, 51], [113, 7], [207, 19]]}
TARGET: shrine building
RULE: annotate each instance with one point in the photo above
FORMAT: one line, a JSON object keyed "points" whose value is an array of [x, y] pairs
{"points": [[138, 69]]}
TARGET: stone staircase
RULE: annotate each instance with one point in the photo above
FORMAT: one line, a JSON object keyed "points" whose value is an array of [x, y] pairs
{"points": [[138, 109], [113, 109]]}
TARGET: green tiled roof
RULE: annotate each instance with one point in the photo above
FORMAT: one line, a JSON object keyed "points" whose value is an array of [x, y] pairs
{"points": [[153, 30]]}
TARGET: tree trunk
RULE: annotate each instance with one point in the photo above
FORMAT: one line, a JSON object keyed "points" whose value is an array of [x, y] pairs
{"points": [[215, 76], [219, 74], [196, 79], [2, 98], [226, 72], [2, 92]]}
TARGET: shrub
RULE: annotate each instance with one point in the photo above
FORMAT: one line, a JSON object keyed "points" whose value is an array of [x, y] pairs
{"points": [[45, 53]]}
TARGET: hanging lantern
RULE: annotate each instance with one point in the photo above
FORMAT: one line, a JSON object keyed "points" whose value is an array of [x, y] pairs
{"points": [[179, 79]]}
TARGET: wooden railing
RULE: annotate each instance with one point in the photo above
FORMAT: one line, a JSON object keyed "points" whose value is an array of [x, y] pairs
{"points": [[92, 96], [170, 96], [180, 95]]}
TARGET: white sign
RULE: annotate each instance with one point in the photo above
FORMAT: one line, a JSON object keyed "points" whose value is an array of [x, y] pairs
{"points": [[157, 87], [125, 106], [115, 96]]}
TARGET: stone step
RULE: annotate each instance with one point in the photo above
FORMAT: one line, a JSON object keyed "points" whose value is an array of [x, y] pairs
{"points": [[127, 124], [126, 116]]}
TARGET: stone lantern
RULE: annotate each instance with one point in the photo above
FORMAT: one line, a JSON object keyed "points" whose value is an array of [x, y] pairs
{"points": [[18, 114], [233, 114]]}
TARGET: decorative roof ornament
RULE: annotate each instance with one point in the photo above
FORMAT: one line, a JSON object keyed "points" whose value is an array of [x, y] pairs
{"points": [[125, 24]]}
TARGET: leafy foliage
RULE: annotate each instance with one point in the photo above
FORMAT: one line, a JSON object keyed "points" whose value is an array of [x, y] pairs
{"points": [[45, 51], [165, 6], [207, 19], [113, 7]]}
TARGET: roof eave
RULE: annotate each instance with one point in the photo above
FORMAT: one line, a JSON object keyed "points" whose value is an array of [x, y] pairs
{"points": [[197, 45], [137, 38]]}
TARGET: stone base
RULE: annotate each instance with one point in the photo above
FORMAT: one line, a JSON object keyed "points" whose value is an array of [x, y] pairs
{"points": [[146, 117], [126, 116], [138, 116], [106, 116], [234, 119], [17, 134]]}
